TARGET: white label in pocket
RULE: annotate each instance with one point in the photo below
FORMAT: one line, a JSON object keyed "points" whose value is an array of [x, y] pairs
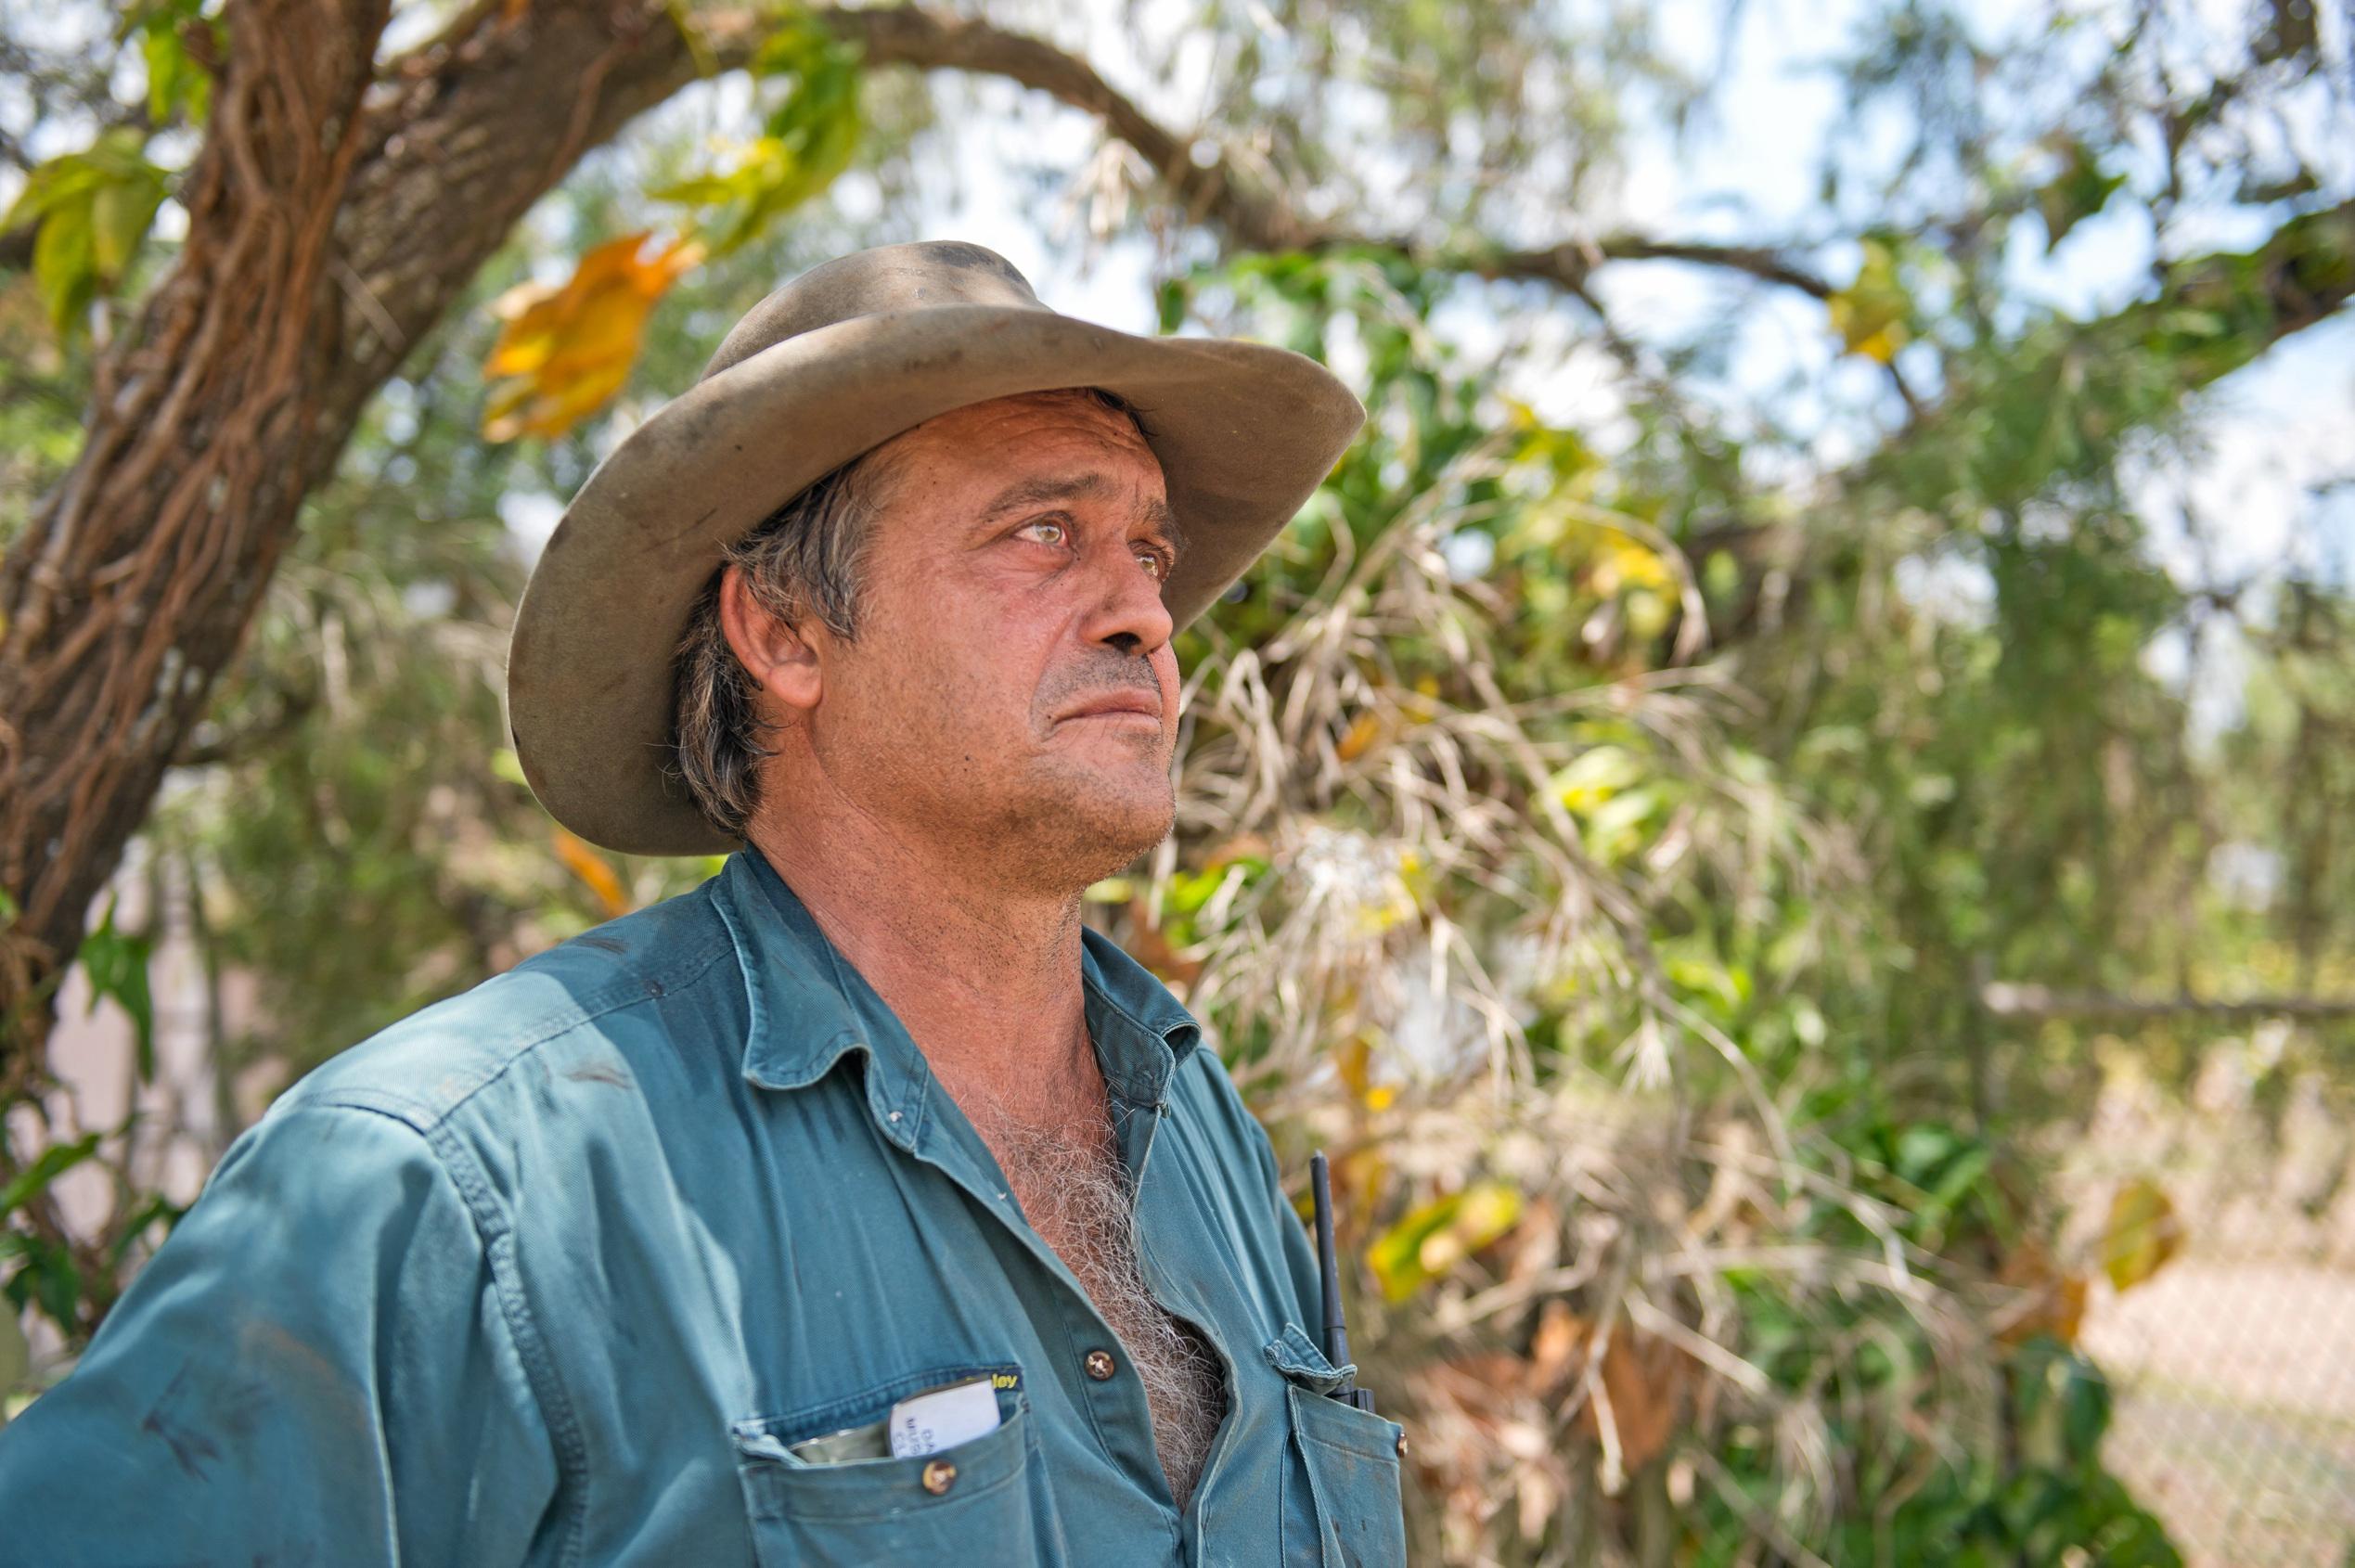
{"points": [[944, 1418]]}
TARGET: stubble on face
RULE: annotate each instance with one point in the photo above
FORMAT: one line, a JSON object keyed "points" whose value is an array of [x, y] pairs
{"points": [[945, 720]]}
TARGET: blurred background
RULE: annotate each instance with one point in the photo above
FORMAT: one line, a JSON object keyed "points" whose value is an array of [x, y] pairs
{"points": [[1787, 815]]}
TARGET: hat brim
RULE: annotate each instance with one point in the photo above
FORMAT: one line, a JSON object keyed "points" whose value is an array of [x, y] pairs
{"points": [[1244, 433]]}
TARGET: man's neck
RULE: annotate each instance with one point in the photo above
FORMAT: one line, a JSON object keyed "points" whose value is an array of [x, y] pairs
{"points": [[985, 978]]}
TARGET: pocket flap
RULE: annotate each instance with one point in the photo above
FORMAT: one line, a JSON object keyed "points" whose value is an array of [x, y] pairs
{"points": [[779, 1485], [1294, 1355]]}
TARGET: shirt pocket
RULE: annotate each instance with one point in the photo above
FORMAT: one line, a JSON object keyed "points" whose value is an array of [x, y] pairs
{"points": [[1343, 1506], [968, 1504]]}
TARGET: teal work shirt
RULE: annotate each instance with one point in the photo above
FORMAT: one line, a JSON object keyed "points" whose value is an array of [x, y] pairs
{"points": [[558, 1270]]}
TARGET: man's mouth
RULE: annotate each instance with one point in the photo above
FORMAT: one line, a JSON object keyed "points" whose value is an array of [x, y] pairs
{"points": [[1118, 705]]}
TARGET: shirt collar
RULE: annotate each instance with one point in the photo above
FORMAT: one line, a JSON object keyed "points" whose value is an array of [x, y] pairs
{"points": [[809, 1005]]}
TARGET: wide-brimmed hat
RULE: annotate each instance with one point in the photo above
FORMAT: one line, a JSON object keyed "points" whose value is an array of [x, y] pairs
{"points": [[835, 363]]}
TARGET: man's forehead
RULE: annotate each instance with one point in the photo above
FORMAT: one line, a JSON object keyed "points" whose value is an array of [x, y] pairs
{"points": [[1085, 484]]}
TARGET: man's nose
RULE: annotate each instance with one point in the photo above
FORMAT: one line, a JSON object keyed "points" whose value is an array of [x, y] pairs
{"points": [[1129, 613]]}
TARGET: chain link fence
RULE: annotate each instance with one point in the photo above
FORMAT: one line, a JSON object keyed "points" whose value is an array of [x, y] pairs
{"points": [[2233, 1366]]}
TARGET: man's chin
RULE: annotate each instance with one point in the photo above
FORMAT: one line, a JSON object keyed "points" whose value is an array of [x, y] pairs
{"points": [[1098, 848], [1088, 833]]}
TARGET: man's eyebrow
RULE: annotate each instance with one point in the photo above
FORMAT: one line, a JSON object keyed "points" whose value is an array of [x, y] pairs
{"points": [[1082, 487]]}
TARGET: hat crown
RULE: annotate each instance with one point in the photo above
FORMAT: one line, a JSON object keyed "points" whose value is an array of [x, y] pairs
{"points": [[889, 277]]}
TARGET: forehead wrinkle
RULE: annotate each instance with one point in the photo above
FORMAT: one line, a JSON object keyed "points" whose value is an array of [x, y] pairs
{"points": [[1090, 486]]}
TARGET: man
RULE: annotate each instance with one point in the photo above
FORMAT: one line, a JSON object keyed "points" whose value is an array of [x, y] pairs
{"points": [[860, 1206]]}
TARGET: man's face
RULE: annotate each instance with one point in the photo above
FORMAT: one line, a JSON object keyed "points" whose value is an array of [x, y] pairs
{"points": [[1011, 694]]}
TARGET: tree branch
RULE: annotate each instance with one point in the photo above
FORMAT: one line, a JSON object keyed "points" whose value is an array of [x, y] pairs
{"points": [[1211, 188]]}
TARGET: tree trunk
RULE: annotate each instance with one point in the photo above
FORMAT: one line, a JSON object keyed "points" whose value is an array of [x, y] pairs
{"points": [[128, 592], [333, 216]]}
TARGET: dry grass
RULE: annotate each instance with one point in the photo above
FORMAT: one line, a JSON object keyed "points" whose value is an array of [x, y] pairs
{"points": [[1434, 896]]}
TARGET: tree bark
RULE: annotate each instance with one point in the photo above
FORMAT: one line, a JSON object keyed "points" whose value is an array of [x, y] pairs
{"points": [[131, 587], [334, 214]]}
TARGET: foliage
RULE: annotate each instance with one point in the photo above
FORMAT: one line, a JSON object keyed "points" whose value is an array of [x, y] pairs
{"points": [[1597, 830], [1564, 829], [804, 141], [179, 80], [90, 211], [565, 352]]}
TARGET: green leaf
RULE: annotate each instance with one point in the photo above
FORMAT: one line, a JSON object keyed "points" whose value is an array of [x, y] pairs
{"points": [[1174, 297], [701, 190], [174, 79], [116, 963], [156, 1210], [1921, 1149], [50, 1165], [2085, 1411], [2078, 193], [806, 140], [94, 208], [16, 1359], [120, 214], [64, 263]]}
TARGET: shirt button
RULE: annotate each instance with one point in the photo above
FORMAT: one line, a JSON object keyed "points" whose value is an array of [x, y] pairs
{"points": [[939, 1476], [1100, 1365]]}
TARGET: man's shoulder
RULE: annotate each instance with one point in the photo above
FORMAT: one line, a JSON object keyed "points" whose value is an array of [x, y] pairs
{"points": [[587, 1005], [1211, 1101]]}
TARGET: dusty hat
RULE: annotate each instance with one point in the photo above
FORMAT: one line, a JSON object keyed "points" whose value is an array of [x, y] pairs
{"points": [[837, 361]]}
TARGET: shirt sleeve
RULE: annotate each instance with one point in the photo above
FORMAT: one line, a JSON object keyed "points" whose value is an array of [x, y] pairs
{"points": [[318, 1366]]}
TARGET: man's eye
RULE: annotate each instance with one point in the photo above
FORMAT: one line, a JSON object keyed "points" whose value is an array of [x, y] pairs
{"points": [[1044, 531], [1154, 566]]}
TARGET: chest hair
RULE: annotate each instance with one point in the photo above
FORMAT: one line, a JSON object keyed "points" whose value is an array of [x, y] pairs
{"points": [[1072, 1189]]}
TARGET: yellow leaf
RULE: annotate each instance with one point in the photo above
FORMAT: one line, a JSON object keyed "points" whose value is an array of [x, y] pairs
{"points": [[2143, 1233], [595, 872], [1595, 774], [565, 352], [1353, 1058], [1880, 345], [1434, 1237], [1361, 736], [1620, 563], [1870, 312], [1489, 1209]]}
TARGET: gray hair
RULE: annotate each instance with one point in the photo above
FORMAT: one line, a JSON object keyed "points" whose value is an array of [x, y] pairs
{"points": [[804, 561]]}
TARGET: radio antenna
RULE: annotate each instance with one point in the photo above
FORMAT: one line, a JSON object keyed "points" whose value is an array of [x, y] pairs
{"points": [[1336, 1345]]}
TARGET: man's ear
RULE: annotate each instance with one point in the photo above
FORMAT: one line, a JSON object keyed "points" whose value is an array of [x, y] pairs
{"points": [[779, 660]]}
